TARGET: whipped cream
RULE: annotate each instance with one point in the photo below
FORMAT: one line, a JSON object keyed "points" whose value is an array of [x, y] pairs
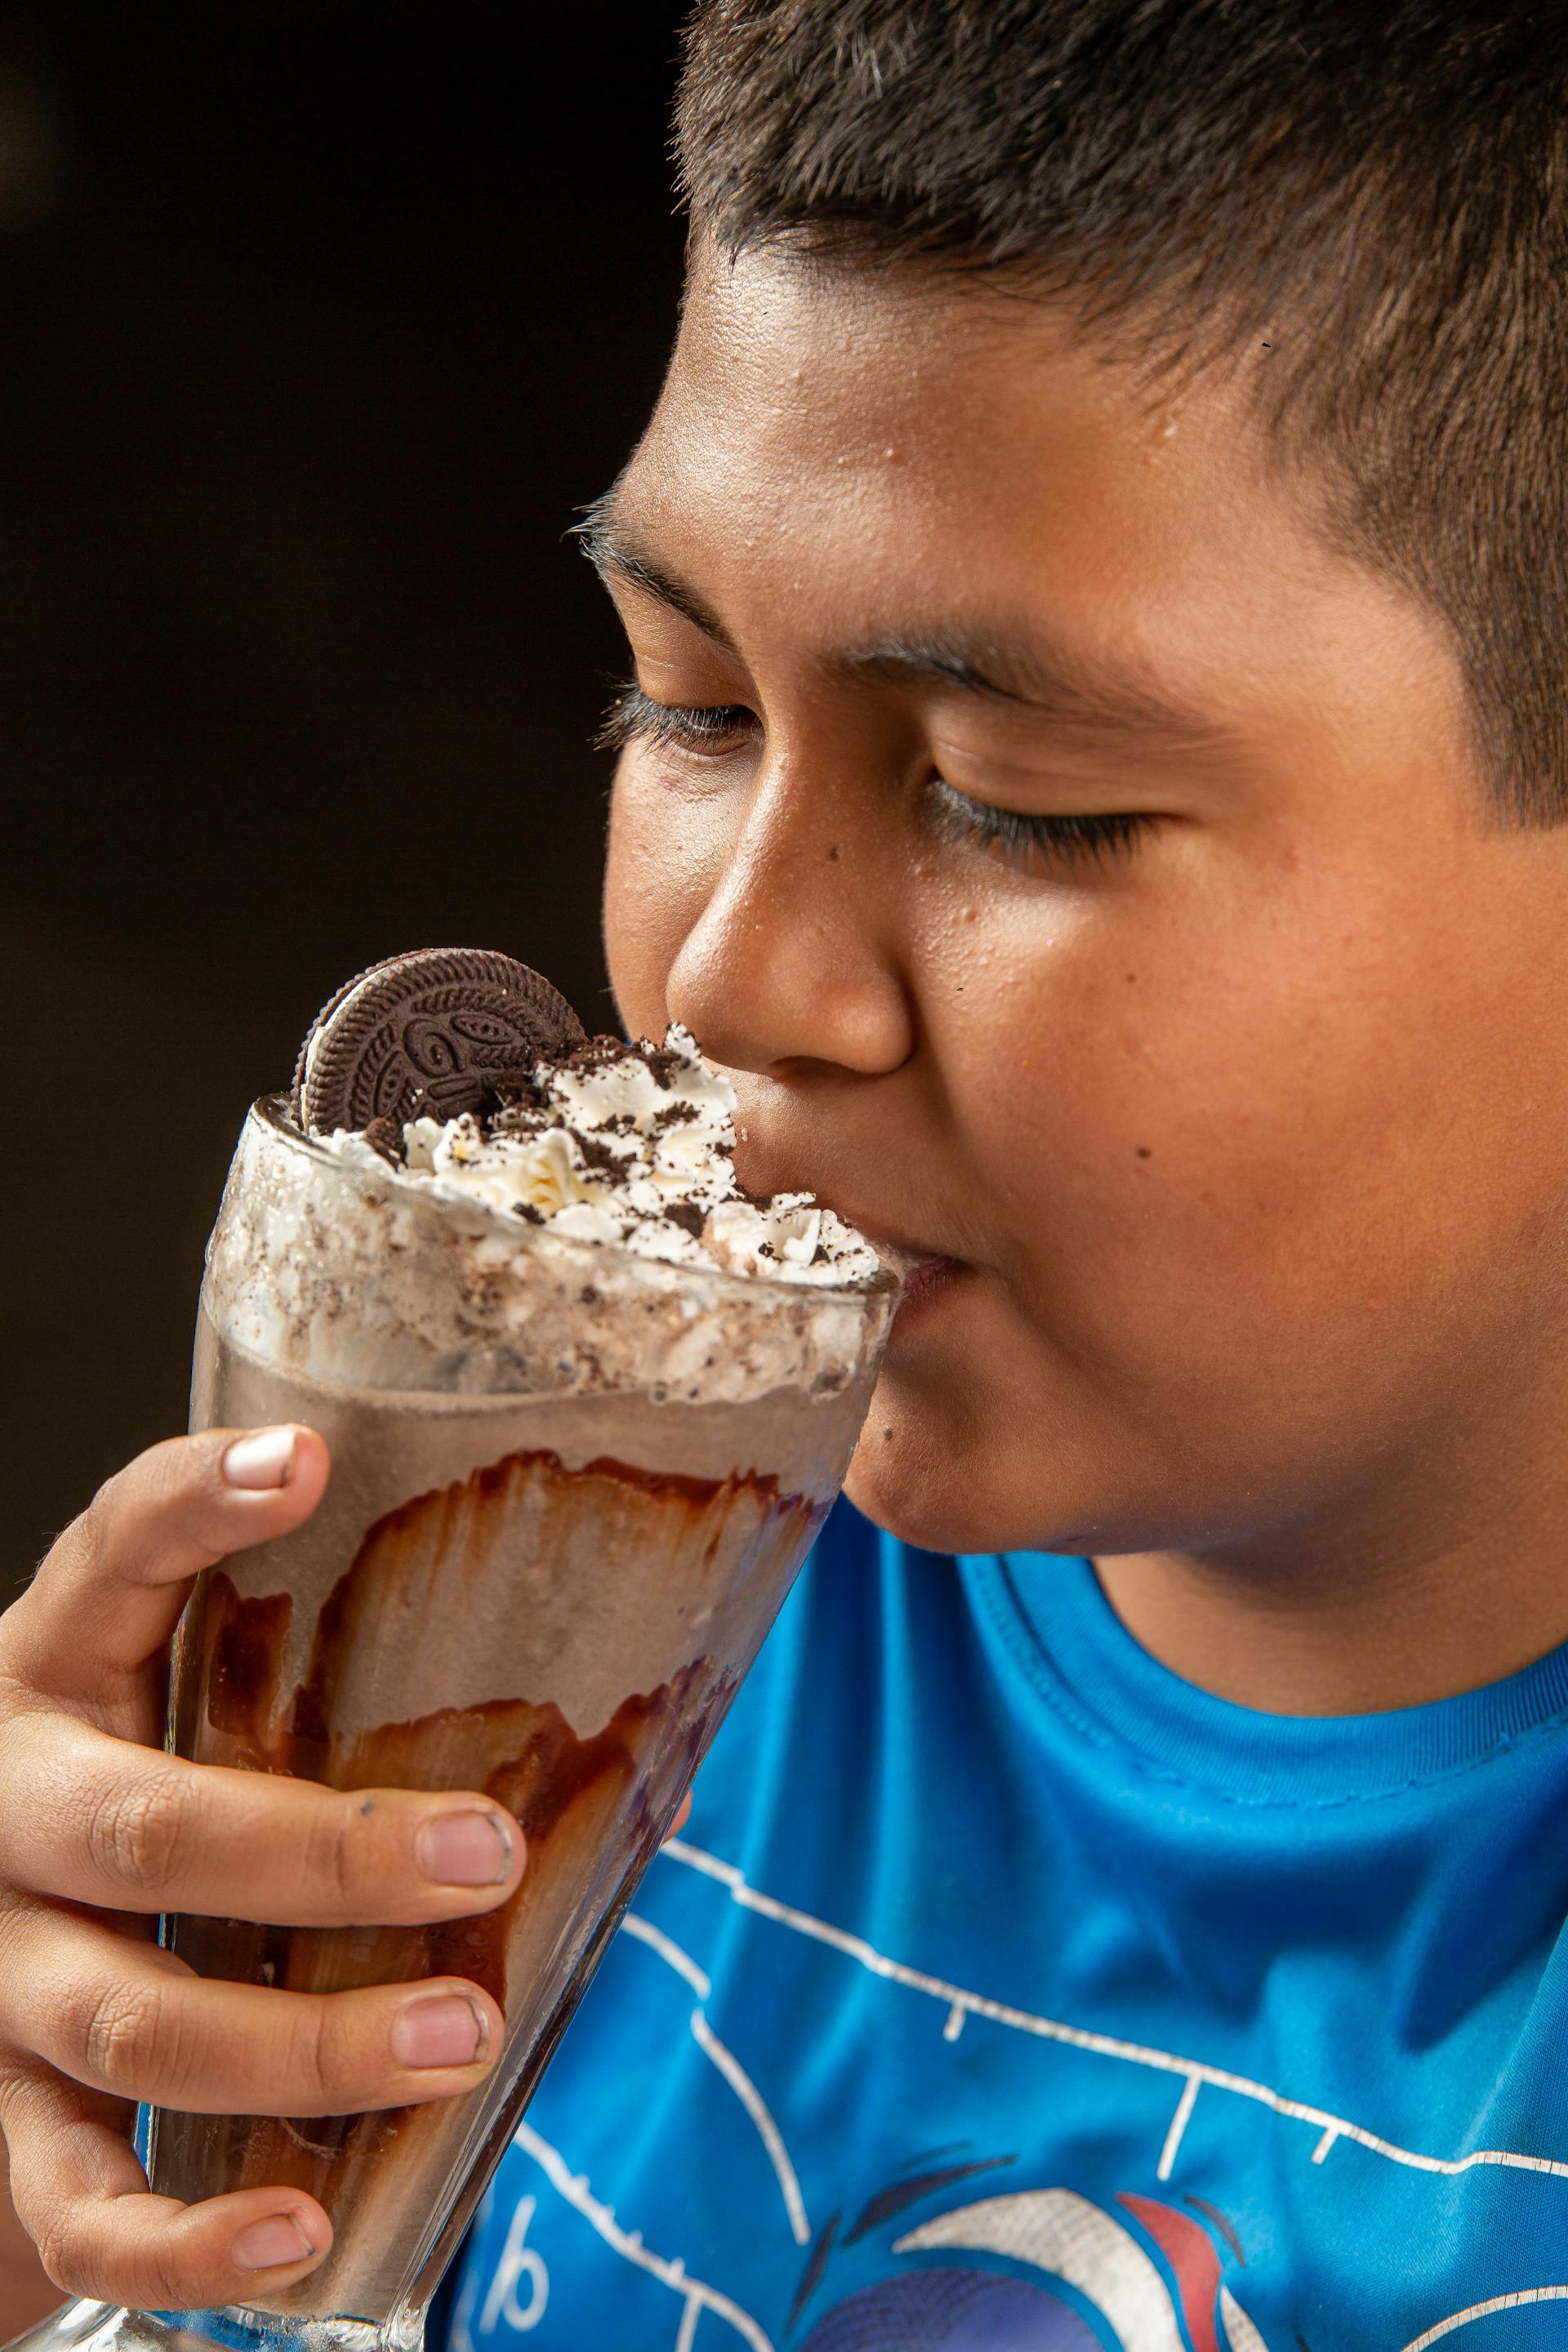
{"points": [[634, 1146]]}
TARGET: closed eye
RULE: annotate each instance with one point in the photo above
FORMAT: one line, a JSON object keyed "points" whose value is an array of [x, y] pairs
{"points": [[634, 717], [1024, 840], [1020, 840]]}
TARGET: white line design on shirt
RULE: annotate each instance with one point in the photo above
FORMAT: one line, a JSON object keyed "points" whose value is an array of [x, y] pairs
{"points": [[667, 1947], [955, 1998], [730, 2066], [1179, 2122], [699, 2297], [1481, 2310]]}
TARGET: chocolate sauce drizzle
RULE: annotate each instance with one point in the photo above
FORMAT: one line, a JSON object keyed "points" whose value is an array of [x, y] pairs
{"points": [[587, 1804]]}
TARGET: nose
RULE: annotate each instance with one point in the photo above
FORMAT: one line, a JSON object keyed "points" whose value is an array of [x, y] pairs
{"points": [[793, 958]]}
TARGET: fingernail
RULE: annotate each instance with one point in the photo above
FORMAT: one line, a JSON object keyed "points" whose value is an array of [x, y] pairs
{"points": [[468, 1849], [263, 1459], [445, 2032], [270, 2245]]}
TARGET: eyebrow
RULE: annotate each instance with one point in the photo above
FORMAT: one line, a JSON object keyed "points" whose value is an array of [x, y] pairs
{"points": [[607, 549], [993, 664]]}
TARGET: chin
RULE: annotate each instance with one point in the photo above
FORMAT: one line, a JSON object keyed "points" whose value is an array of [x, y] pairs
{"points": [[929, 1496], [975, 1476], [953, 1460]]}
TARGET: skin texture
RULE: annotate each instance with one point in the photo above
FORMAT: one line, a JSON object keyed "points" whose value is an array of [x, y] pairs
{"points": [[1248, 1142]]}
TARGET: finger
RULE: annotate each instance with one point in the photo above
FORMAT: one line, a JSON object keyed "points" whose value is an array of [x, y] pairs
{"points": [[126, 1829], [83, 2199], [110, 1593], [126, 2018], [682, 1815]]}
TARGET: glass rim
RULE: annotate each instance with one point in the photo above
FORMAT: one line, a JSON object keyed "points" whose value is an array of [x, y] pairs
{"points": [[274, 1112]]}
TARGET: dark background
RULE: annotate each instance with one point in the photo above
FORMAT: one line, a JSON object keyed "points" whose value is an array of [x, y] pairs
{"points": [[317, 325]]}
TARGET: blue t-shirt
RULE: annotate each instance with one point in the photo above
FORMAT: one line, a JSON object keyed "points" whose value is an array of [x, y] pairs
{"points": [[1006, 1992]]}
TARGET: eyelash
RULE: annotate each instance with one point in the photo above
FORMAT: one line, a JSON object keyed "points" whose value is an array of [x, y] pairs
{"points": [[634, 717], [1071, 840]]}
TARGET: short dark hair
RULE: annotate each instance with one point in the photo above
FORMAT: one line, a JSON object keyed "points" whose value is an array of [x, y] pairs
{"points": [[1378, 188]]}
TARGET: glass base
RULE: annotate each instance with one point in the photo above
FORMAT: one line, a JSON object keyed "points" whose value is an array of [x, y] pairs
{"points": [[82, 2326]]}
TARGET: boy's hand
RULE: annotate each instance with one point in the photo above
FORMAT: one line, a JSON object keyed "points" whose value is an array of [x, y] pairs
{"points": [[97, 1824]]}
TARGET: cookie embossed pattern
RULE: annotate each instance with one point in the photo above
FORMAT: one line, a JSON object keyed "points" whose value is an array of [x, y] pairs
{"points": [[425, 1033], [588, 1403]]}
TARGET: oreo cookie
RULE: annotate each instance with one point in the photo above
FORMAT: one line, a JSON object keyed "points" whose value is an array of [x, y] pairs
{"points": [[432, 1033]]}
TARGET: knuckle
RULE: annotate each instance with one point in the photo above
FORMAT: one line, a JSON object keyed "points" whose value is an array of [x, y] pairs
{"points": [[69, 2242], [324, 2059], [130, 1515], [57, 2235], [18, 1699], [80, 1548], [334, 1859], [123, 2036], [160, 2283], [89, 1535], [133, 1511], [19, 1915], [88, 1550], [136, 1833], [97, 1538], [67, 2247]]}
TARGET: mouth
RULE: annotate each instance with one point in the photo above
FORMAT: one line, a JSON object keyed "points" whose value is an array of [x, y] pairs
{"points": [[926, 1274]]}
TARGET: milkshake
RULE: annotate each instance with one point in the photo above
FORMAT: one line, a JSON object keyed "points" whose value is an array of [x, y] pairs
{"points": [[588, 1403]]}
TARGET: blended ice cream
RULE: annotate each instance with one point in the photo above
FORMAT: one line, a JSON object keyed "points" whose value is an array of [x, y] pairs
{"points": [[632, 1144]]}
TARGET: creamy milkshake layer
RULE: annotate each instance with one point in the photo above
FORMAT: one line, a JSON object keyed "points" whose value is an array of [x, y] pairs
{"points": [[588, 1236]]}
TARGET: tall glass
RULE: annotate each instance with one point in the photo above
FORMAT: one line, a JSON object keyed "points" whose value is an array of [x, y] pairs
{"points": [[571, 1487]]}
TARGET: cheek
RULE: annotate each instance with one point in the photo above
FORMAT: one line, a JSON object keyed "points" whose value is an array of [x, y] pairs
{"points": [[1124, 1090], [657, 883], [1216, 1144]]}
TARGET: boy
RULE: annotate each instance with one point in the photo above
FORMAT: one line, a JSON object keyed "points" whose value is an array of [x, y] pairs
{"points": [[1094, 771]]}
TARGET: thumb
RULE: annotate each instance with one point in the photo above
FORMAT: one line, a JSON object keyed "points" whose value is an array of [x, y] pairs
{"points": [[108, 1594]]}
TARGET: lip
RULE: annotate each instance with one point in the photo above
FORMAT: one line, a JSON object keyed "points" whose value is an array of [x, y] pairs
{"points": [[924, 1272]]}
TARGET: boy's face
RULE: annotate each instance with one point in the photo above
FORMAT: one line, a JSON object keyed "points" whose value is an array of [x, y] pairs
{"points": [[1230, 1135]]}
